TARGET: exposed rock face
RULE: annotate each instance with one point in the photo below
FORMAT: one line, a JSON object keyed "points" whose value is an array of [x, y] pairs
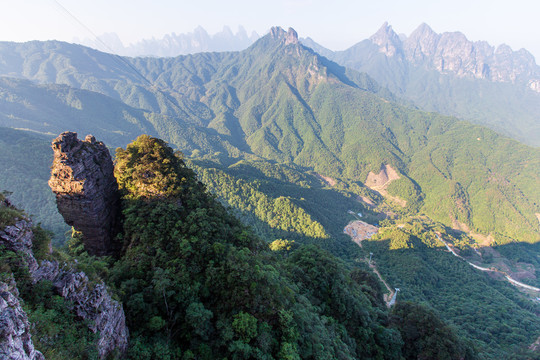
{"points": [[105, 315], [289, 37], [92, 303], [86, 190], [387, 40], [15, 339], [452, 52], [18, 238], [380, 182]]}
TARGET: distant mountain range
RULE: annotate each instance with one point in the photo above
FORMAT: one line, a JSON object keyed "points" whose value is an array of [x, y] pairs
{"points": [[173, 44], [280, 101], [447, 73], [295, 143]]}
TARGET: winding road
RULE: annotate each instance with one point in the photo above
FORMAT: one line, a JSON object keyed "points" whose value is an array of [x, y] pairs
{"points": [[510, 280]]}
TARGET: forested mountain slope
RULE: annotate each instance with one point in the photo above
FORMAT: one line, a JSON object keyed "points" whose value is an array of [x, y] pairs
{"points": [[291, 203], [289, 140], [447, 73], [195, 283], [279, 100]]}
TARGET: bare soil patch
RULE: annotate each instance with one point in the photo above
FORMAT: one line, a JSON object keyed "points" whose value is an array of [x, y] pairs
{"points": [[359, 230], [379, 183], [481, 239]]}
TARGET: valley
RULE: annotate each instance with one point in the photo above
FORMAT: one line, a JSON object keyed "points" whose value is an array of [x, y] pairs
{"points": [[324, 168]]}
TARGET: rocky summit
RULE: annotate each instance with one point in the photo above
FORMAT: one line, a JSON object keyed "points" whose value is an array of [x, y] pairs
{"points": [[288, 37], [452, 52], [86, 190]]}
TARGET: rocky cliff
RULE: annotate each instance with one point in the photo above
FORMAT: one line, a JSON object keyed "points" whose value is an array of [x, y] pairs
{"points": [[18, 238], [91, 303], [289, 37], [452, 52], [86, 190], [15, 339]]}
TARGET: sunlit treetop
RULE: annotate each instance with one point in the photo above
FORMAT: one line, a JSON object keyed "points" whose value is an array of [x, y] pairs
{"points": [[149, 169]]}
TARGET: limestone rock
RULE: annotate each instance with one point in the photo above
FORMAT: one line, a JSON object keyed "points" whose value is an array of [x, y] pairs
{"points": [[292, 37], [289, 37], [453, 53], [15, 339], [387, 40], [93, 304], [18, 238], [86, 190]]}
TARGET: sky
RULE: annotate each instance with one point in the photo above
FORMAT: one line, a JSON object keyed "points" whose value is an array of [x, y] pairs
{"points": [[335, 24]]}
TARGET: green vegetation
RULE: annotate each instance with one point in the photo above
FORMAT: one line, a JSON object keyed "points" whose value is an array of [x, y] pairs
{"points": [[25, 159], [409, 255], [261, 125], [285, 103], [279, 213], [425, 336], [149, 169], [56, 331], [195, 283], [8, 214], [488, 311]]}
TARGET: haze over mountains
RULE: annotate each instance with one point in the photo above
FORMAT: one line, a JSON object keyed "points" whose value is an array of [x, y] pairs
{"points": [[447, 73], [174, 44], [295, 143]]}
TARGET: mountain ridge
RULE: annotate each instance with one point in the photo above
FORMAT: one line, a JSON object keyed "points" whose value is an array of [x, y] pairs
{"points": [[172, 45], [452, 52], [281, 101], [447, 73]]}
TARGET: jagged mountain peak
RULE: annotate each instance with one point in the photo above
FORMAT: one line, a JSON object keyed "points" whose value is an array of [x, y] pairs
{"points": [[198, 30], [387, 40], [384, 31], [288, 37], [453, 52], [226, 32], [422, 31], [421, 43]]}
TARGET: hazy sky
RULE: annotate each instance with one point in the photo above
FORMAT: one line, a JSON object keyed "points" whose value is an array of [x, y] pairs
{"points": [[336, 24]]}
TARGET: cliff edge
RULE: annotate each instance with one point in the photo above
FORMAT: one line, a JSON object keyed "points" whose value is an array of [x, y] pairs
{"points": [[82, 178]]}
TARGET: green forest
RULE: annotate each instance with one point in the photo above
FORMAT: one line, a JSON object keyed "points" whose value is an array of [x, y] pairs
{"points": [[285, 103], [234, 247], [198, 284]]}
